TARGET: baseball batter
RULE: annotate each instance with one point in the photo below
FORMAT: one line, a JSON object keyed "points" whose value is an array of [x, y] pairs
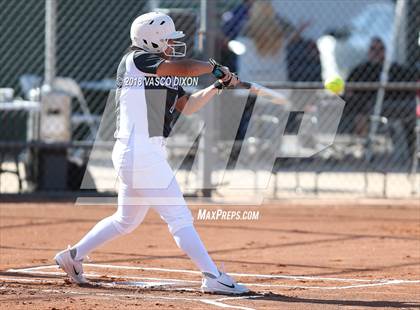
{"points": [[145, 118]]}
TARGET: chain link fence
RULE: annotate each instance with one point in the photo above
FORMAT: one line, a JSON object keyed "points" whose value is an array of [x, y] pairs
{"points": [[289, 46]]}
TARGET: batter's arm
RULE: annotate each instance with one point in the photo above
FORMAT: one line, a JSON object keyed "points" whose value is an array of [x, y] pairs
{"points": [[184, 67], [190, 104], [191, 67]]}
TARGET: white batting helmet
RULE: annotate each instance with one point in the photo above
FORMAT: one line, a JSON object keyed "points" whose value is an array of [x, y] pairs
{"points": [[152, 31]]}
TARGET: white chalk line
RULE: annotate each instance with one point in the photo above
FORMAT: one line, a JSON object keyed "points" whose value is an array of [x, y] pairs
{"points": [[99, 283], [173, 282], [164, 282], [214, 302], [23, 280], [289, 277], [156, 281]]}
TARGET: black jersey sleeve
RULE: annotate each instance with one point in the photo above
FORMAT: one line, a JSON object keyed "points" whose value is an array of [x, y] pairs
{"points": [[147, 62], [181, 92]]}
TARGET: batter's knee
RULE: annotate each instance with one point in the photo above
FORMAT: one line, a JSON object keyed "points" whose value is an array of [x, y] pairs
{"points": [[178, 219], [125, 224]]}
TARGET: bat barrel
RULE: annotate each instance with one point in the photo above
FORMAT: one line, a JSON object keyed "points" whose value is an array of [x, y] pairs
{"points": [[245, 85]]}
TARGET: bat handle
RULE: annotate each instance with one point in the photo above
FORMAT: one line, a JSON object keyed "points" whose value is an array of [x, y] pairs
{"points": [[245, 85]]}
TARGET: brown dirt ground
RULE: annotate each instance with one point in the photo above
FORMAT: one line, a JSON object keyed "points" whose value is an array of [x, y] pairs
{"points": [[361, 243]]}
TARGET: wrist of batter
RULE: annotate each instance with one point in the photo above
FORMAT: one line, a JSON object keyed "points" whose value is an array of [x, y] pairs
{"points": [[218, 85]]}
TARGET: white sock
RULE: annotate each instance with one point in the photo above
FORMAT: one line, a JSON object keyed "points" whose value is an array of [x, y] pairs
{"points": [[188, 240], [102, 232]]}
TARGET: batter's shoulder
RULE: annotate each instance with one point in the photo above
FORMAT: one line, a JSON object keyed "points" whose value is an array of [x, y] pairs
{"points": [[147, 62]]}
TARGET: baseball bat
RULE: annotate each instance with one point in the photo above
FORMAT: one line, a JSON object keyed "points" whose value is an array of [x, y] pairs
{"points": [[254, 88], [260, 90]]}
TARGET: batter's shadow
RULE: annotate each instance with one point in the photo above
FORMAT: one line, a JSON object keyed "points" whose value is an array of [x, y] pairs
{"points": [[338, 302]]}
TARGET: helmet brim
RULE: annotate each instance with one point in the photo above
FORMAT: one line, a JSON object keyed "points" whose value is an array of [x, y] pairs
{"points": [[175, 35]]}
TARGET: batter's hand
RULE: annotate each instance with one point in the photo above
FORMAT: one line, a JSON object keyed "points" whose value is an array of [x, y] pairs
{"points": [[219, 71], [230, 81]]}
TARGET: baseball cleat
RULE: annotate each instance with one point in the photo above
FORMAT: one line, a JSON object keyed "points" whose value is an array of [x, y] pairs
{"points": [[74, 268], [223, 284]]}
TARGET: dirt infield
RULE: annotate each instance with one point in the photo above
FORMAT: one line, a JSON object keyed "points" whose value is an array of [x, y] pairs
{"points": [[295, 256]]}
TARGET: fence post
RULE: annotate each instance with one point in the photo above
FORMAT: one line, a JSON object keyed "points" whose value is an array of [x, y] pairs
{"points": [[50, 41], [208, 24], [399, 11]]}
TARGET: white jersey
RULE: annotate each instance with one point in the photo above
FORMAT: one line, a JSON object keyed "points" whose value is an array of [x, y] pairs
{"points": [[145, 103]]}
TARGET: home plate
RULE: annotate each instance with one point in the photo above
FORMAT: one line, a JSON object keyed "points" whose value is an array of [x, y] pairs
{"points": [[111, 280]]}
